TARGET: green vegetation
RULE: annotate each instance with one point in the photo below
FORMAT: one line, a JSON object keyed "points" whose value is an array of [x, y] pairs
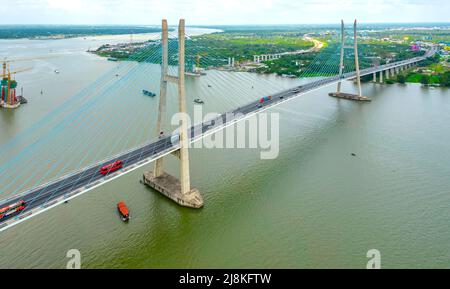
{"points": [[445, 79], [401, 78], [68, 31], [376, 47], [243, 45], [213, 50], [369, 55], [431, 72], [425, 79], [431, 34]]}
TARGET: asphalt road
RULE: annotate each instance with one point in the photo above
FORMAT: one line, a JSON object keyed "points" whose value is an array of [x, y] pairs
{"points": [[47, 193]]}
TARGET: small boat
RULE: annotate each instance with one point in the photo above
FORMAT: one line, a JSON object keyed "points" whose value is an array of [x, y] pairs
{"points": [[123, 211], [148, 93], [209, 85], [56, 71], [199, 101]]}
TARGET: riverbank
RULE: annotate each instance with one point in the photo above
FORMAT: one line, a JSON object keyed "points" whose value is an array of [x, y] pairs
{"points": [[56, 32]]}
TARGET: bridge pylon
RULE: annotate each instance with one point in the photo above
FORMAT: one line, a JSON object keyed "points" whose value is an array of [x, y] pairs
{"points": [[179, 190], [339, 94]]}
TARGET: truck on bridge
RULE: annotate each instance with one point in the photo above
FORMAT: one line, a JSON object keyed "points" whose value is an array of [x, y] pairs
{"points": [[264, 100], [12, 209]]}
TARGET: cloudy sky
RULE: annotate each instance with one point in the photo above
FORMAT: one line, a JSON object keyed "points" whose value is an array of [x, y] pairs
{"points": [[210, 12]]}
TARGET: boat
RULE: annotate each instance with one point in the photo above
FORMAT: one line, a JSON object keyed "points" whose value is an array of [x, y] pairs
{"points": [[194, 74], [148, 93], [123, 211], [199, 101], [112, 59], [56, 71]]}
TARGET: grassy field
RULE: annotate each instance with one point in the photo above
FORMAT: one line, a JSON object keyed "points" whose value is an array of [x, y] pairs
{"points": [[416, 77]]}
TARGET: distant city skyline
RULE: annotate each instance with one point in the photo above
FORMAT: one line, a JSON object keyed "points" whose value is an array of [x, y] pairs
{"points": [[221, 12]]}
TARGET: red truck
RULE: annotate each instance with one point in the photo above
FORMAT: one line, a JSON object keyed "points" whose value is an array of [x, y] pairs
{"points": [[264, 99], [11, 209]]}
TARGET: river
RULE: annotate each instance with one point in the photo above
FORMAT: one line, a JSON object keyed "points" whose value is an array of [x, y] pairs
{"points": [[315, 206]]}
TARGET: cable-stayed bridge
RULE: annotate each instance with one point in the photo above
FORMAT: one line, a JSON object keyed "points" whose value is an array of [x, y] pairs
{"points": [[44, 196]]}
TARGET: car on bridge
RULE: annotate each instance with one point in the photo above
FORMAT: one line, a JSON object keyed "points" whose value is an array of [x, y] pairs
{"points": [[112, 167], [12, 209]]}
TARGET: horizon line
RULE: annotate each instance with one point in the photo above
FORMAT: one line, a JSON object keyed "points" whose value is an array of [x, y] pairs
{"points": [[191, 25]]}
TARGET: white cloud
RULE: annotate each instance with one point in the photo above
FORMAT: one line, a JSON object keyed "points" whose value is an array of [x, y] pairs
{"points": [[222, 11]]}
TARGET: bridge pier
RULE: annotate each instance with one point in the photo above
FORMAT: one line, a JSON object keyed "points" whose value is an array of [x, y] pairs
{"points": [[374, 77], [180, 190], [340, 94], [381, 76]]}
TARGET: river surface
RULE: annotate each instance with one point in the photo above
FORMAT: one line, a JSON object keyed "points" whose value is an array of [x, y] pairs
{"points": [[314, 206]]}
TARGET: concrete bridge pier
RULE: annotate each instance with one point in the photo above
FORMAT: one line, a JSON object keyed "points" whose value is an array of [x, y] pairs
{"points": [[374, 77], [180, 190], [381, 76], [339, 94]]}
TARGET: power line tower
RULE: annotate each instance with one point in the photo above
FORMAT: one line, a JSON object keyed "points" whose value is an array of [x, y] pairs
{"points": [[180, 190], [354, 47]]}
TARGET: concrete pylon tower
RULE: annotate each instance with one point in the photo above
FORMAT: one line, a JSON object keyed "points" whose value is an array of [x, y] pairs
{"points": [[340, 94], [355, 44], [180, 190], [162, 91]]}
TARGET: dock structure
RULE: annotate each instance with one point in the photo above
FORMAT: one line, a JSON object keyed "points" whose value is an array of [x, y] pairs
{"points": [[179, 190], [170, 187], [339, 94]]}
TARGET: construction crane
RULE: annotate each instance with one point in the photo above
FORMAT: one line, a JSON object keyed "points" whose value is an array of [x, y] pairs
{"points": [[8, 86]]}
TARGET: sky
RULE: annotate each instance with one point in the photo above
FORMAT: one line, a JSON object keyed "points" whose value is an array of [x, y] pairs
{"points": [[221, 12]]}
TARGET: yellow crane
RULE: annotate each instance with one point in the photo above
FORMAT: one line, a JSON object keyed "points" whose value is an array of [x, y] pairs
{"points": [[9, 85]]}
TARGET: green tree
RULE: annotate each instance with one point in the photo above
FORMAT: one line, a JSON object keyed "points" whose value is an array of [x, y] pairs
{"points": [[401, 78], [445, 79], [425, 80]]}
